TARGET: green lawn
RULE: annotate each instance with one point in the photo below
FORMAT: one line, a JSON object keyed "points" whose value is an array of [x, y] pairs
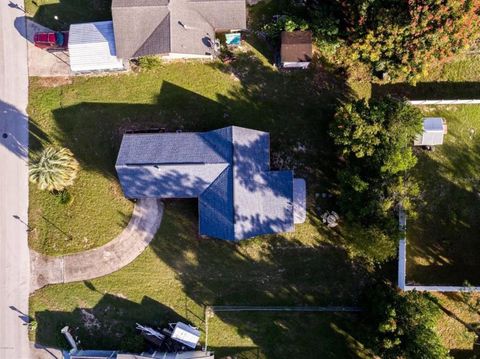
{"points": [[443, 243], [180, 273], [67, 11]]}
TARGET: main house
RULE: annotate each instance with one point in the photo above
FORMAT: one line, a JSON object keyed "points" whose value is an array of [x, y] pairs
{"points": [[173, 28], [228, 170]]}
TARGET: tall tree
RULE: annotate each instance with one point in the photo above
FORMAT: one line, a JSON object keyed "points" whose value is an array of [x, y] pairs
{"points": [[405, 37], [402, 324], [375, 140]]}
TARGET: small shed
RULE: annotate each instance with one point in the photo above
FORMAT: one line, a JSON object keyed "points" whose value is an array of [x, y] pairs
{"points": [[296, 49], [186, 334], [434, 129], [92, 47]]}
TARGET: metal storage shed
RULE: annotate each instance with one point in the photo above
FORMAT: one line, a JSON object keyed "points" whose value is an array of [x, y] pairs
{"points": [[434, 128], [92, 47]]}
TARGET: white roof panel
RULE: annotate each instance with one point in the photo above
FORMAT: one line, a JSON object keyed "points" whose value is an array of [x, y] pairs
{"points": [[186, 334], [92, 47], [433, 124]]}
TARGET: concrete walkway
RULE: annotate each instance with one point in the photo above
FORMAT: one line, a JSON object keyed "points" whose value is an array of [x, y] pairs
{"points": [[103, 260]]}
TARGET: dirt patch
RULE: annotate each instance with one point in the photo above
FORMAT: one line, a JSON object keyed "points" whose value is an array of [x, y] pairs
{"points": [[54, 81], [89, 320]]}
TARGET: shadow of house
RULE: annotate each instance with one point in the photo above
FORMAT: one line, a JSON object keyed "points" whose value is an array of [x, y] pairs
{"points": [[70, 12], [109, 325], [429, 90], [285, 105]]}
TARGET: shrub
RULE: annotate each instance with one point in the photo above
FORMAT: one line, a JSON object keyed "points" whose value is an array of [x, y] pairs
{"points": [[53, 169], [402, 324], [149, 62]]}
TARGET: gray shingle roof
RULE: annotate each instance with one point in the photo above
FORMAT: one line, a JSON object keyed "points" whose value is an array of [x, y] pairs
{"points": [[227, 169], [148, 27]]}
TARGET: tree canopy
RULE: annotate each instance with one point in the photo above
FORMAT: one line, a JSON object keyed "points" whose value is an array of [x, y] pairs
{"points": [[375, 140], [404, 38], [402, 324]]}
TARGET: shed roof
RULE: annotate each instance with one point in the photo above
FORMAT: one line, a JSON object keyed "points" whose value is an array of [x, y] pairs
{"points": [[227, 169], [148, 27], [92, 47], [296, 46]]}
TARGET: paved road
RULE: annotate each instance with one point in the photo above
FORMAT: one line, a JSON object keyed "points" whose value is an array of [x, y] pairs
{"points": [[14, 255]]}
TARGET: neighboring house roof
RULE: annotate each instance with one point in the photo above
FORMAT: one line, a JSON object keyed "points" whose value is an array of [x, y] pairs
{"points": [[296, 46], [227, 169], [92, 47], [148, 27]]}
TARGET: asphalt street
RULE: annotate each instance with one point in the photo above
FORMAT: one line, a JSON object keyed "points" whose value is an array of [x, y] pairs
{"points": [[14, 255]]}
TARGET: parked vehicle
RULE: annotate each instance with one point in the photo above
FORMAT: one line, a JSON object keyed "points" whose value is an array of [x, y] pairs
{"points": [[51, 41]]}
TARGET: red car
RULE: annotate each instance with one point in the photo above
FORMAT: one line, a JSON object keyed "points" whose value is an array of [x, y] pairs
{"points": [[51, 41]]}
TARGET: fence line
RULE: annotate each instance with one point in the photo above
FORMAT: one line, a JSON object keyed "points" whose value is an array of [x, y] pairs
{"points": [[246, 308], [439, 288], [445, 102], [402, 266]]}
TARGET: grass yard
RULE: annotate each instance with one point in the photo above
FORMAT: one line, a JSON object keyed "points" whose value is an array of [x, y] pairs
{"points": [[444, 242], [457, 79], [89, 115], [459, 320], [179, 274], [327, 335]]}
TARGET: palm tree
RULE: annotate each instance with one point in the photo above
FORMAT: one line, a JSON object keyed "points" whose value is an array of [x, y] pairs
{"points": [[53, 169]]}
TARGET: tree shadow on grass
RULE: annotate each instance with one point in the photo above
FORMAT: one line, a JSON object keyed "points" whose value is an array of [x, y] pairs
{"points": [[429, 90], [286, 105], [269, 270], [69, 12], [445, 236], [109, 325]]}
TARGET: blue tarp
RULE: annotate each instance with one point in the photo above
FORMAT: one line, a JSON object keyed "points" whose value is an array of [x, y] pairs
{"points": [[234, 39]]}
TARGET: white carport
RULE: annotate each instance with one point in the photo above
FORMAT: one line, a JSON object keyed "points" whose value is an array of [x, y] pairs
{"points": [[92, 47]]}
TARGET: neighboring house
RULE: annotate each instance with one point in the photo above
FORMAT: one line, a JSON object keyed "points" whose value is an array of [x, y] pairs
{"points": [[434, 129], [295, 49], [228, 170], [173, 28], [92, 47]]}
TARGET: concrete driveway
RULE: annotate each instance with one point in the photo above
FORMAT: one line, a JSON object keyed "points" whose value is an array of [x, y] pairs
{"points": [[41, 62], [14, 254], [103, 260]]}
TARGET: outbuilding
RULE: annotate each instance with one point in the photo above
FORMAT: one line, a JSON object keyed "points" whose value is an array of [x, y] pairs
{"points": [[434, 129], [296, 49], [92, 47]]}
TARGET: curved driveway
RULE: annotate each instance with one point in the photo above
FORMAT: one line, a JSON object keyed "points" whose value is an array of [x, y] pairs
{"points": [[103, 260]]}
